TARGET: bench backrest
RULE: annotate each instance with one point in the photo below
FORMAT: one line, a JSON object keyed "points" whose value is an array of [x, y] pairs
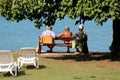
{"points": [[65, 38]]}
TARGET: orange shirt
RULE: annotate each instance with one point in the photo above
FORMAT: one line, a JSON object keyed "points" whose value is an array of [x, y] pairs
{"points": [[66, 34]]}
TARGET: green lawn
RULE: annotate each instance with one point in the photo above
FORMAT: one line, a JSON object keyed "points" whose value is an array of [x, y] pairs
{"points": [[58, 68]]}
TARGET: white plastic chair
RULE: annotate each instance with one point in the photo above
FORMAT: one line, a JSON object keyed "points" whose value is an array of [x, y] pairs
{"points": [[6, 62], [27, 56]]}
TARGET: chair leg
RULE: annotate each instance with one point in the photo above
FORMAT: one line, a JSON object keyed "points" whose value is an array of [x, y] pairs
{"points": [[16, 69], [36, 64], [19, 63], [11, 72]]}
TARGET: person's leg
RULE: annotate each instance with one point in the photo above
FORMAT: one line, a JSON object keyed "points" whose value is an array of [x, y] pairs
{"points": [[50, 47], [79, 46]]}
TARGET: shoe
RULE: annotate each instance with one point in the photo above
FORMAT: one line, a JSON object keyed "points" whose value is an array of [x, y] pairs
{"points": [[49, 51], [77, 50]]}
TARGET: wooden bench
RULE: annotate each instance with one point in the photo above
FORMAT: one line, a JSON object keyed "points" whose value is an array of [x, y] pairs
{"points": [[66, 43]]}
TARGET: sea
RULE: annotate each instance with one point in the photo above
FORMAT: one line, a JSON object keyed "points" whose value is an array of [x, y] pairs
{"points": [[17, 35]]}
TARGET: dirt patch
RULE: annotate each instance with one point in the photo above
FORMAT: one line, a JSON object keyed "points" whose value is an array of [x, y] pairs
{"points": [[103, 60], [98, 59]]}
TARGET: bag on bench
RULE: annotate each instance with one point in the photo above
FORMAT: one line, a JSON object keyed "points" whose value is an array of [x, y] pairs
{"points": [[47, 40]]}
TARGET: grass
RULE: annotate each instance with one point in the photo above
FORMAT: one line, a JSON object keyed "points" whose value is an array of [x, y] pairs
{"points": [[67, 68]]}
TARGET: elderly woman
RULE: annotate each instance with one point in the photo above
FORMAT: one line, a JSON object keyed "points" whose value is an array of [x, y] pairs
{"points": [[80, 41]]}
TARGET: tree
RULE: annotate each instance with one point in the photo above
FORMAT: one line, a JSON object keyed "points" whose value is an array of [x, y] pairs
{"points": [[100, 11], [39, 11], [48, 11]]}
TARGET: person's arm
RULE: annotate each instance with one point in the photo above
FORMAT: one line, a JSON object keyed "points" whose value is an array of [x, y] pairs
{"points": [[74, 36], [53, 35], [61, 34]]}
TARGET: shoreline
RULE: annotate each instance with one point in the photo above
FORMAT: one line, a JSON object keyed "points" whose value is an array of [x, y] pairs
{"points": [[73, 55], [72, 52]]}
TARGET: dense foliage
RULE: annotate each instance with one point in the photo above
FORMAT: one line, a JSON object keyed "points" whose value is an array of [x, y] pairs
{"points": [[99, 10], [41, 11], [47, 11]]}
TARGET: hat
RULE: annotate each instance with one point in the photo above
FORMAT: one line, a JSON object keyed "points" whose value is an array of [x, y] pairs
{"points": [[81, 26]]}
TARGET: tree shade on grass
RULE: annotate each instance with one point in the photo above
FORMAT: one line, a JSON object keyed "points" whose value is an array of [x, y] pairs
{"points": [[64, 68]]}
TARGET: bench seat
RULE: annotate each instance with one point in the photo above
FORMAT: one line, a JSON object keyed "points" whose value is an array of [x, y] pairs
{"points": [[63, 44], [66, 43]]}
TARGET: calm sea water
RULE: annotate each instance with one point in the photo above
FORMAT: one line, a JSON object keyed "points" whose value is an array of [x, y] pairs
{"points": [[14, 36]]}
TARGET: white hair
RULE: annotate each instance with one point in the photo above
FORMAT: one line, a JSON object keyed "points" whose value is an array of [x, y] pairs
{"points": [[81, 26]]}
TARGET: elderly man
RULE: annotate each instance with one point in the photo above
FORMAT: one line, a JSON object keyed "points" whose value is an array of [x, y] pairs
{"points": [[67, 33], [80, 41], [48, 32], [48, 37]]}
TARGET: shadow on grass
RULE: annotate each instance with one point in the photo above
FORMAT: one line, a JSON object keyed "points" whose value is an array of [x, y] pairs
{"points": [[33, 67], [92, 56], [20, 73]]}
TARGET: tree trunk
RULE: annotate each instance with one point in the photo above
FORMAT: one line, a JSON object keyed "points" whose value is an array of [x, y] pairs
{"points": [[115, 46]]}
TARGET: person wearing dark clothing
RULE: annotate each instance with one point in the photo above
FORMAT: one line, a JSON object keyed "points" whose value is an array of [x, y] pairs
{"points": [[80, 41]]}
